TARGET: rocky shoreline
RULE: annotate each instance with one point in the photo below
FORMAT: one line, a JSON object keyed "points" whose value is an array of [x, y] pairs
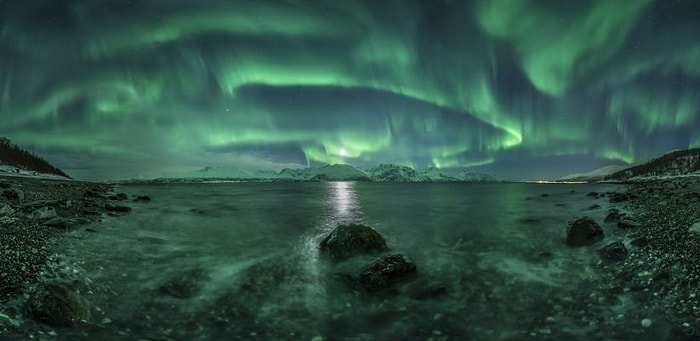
{"points": [[648, 255], [662, 271], [32, 213]]}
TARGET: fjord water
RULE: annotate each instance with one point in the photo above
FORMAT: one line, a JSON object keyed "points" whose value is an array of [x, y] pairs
{"points": [[248, 256]]}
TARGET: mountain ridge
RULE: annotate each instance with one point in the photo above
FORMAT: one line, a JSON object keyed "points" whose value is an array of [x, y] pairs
{"points": [[335, 172]]}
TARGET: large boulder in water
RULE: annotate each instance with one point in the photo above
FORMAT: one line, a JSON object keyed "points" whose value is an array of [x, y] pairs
{"points": [[583, 231], [386, 271], [348, 240], [56, 305]]}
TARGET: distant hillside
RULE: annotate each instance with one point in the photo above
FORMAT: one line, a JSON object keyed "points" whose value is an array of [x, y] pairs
{"points": [[20, 159], [681, 162], [381, 173], [393, 173]]}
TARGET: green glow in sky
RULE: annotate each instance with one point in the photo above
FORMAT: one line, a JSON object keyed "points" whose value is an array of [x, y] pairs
{"points": [[114, 89]]}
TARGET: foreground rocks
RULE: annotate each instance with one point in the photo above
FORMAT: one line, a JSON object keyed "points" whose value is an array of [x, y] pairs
{"points": [[381, 274], [354, 239], [56, 305], [386, 271], [33, 212], [661, 266], [583, 231]]}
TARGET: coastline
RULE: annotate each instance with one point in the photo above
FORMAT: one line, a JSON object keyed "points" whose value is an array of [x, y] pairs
{"points": [[662, 269], [660, 272], [33, 213]]}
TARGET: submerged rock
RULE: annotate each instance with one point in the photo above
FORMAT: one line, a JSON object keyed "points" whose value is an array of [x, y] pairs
{"points": [[118, 197], [614, 252], [583, 231], [348, 240], [612, 217], [143, 198], [56, 305], [185, 285], [117, 209], [386, 271]]}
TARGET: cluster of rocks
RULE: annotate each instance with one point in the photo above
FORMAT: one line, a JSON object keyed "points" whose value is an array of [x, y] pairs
{"points": [[660, 269], [383, 273], [32, 213], [586, 231]]}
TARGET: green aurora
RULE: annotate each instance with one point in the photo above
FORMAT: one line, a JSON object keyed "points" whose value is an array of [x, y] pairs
{"points": [[522, 89]]}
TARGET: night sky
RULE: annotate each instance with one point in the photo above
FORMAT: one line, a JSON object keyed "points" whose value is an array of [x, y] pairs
{"points": [[522, 89]]}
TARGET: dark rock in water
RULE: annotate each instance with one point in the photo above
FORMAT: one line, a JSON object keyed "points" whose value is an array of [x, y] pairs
{"points": [[118, 197], [583, 231], [117, 209], [143, 198], [612, 217], [185, 285], [594, 207], [628, 224], [198, 211], [348, 240], [4, 185], [545, 195], [614, 252], [386, 271], [618, 197], [56, 305], [592, 194]]}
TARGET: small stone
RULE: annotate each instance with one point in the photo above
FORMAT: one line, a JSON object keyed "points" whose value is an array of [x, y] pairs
{"points": [[317, 338], [646, 323], [106, 320]]}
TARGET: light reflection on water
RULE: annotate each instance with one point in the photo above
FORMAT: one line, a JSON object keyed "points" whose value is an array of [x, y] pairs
{"points": [[344, 204]]}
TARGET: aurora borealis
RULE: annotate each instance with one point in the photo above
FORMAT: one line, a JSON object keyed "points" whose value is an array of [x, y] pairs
{"points": [[522, 89]]}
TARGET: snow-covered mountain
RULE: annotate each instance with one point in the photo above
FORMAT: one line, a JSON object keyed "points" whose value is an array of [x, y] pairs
{"points": [[676, 163], [381, 173], [393, 173], [434, 174], [325, 173], [476, 177], [210, 173], [596, 173]]}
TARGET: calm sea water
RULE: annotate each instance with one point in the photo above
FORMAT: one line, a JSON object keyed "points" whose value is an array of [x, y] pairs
{"points": [[248, 255]]}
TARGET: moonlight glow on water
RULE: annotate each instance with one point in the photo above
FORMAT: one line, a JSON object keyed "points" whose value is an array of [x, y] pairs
{"points": [[516, 88]]}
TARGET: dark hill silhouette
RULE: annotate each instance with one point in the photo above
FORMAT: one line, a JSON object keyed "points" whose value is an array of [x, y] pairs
{"points": [[12, 155], [678, 162]]}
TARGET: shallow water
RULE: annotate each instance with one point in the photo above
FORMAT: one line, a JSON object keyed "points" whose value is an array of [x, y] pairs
{"points": [[248, 255]]}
